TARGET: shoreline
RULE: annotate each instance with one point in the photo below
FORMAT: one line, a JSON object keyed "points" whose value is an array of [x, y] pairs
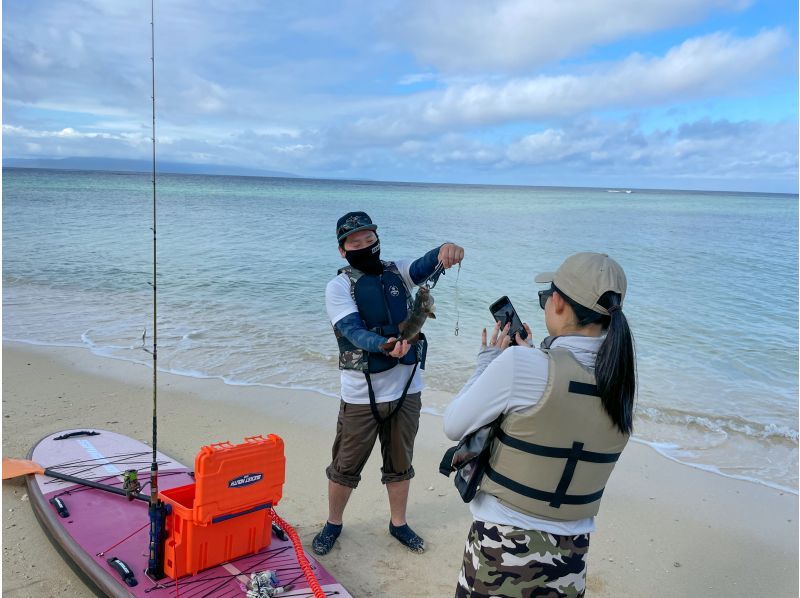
{"points": [[443, 398], [663, 526]]}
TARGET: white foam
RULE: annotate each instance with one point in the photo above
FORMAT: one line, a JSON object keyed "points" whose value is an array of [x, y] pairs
{"points": [[665, 450]]}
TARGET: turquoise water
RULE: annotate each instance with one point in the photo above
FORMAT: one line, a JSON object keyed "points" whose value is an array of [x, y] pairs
{"points": [[243, 264]]}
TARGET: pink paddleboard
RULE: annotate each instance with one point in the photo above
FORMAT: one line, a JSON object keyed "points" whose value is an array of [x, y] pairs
{"points": [[102, 525]]}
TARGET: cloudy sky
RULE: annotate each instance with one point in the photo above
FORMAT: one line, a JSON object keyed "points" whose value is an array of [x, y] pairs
{"points": [[687, 94]]}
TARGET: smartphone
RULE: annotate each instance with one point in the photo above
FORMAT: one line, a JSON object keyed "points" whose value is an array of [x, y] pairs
{"points": [[504, 312]]}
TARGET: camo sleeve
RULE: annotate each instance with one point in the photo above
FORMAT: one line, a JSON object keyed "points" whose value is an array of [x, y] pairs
{"points": [[352, 327]]}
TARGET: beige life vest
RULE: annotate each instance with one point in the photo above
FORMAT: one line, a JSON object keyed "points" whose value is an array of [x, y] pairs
{"points": [[553, 460]]}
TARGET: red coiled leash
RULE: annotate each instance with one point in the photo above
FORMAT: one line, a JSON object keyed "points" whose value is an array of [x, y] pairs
{"points": [[312, 580]]}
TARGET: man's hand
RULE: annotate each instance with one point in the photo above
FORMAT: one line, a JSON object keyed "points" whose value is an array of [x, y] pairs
{"points": [[451, 254], [400, 348]]}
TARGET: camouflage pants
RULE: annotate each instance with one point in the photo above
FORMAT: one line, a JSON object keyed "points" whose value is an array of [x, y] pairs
{"points": [[508, 562]]}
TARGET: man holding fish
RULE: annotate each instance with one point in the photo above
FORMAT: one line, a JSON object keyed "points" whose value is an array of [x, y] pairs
{"points": [[378, 325]]}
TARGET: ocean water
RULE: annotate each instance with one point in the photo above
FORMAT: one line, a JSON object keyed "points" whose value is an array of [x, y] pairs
{"points": [[243, 263]]}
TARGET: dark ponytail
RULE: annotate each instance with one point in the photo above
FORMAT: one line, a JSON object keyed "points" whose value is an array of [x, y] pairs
{"points": [[615, 368]]}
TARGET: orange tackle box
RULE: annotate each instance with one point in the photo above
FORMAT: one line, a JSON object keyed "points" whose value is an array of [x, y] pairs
{"points": [[227, 512]]}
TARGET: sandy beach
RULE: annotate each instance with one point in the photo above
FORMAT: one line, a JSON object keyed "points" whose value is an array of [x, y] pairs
{"points": [[664, 529]]}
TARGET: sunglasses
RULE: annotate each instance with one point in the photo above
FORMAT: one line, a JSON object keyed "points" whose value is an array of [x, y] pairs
{"points": [[544, 296]]}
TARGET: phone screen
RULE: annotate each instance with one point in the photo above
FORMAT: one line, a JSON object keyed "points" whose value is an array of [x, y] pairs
{"points": [[504, 312]]}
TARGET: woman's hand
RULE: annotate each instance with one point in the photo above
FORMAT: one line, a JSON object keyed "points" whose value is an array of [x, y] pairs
{"points": [[528, 340], [501, 340]]}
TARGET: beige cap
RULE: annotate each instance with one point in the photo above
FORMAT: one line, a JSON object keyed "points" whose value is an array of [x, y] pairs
{"points": [[585, 277]]}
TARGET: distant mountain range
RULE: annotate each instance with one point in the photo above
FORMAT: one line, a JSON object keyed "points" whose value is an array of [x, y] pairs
{"points": [[123, 165]]}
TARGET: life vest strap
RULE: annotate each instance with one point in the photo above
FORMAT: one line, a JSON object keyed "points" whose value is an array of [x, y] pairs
{"points": [[373, 404], [566, 475], [572, 455], [581, 388], [550, 497], [556, 452]]}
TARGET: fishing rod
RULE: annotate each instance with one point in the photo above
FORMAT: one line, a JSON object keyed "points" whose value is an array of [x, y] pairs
{"points": [[155, 561]]}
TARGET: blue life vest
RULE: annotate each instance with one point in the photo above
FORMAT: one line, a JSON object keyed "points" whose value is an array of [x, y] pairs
{"points": [[383, 302]]}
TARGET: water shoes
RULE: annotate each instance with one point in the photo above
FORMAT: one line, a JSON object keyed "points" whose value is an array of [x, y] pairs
{"points": [[406, 536], [324, 540]]}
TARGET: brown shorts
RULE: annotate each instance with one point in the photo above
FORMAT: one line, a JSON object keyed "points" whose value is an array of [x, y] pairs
{"points": [[356, 431]]}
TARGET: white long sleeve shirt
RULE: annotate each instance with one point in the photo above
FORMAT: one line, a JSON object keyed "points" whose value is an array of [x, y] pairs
{"points": [[505, 382]]}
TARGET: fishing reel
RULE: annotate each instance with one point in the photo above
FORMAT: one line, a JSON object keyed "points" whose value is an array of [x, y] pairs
{"points": [[264, 584], [131, 484]]}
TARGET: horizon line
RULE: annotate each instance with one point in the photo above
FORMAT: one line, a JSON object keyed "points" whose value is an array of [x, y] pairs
{"points": [[289, 177]]}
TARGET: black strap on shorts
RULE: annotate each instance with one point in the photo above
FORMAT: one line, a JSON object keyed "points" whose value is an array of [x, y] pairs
{"points": [[374, 406]]}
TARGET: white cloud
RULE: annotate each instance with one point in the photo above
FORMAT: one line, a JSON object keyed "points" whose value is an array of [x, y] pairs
{"points": [[512, 35], [96, 55], [201, 96], [72, 141], [551, 145], [315, 88], [65, 133], [703, 154], [298, 149], [709, 149], [698, 68], [203, 84], [417, 78]]}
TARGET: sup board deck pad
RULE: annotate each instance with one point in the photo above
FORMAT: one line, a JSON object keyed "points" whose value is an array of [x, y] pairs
{"points": [[102, 525]]}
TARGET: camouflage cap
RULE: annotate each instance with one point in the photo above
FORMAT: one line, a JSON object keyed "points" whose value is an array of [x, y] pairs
{"points": [[352, 222], [585, 277]]}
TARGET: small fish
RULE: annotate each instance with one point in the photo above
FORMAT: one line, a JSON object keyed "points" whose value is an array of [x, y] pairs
{"points": [[412, 325]]}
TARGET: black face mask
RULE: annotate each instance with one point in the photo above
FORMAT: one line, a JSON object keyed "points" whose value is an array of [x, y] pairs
{"points": [[368, 259]]}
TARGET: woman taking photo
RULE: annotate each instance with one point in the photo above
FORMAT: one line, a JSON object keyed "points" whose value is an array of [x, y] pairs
{"points": [[566, 413]]}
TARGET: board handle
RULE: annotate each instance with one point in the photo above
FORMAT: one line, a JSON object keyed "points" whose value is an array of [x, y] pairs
{"points": [[125, 572], [77, 433]]}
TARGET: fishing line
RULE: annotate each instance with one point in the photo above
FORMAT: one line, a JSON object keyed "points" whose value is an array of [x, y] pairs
{"points": [[87, 469], [87, 465], [103, 552], [434, 276], [458, 273], [431, 281]]}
